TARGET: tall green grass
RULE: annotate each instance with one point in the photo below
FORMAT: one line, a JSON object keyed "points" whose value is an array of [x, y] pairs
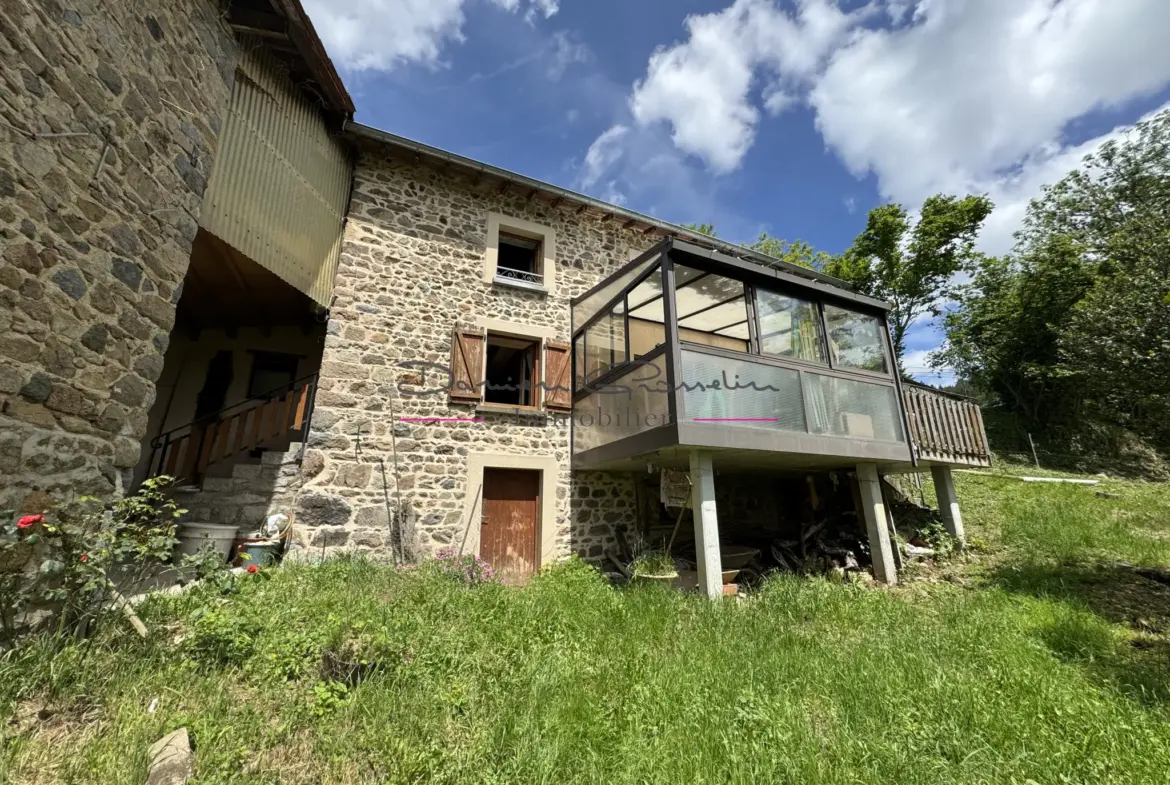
{"points": [[570, 680]]}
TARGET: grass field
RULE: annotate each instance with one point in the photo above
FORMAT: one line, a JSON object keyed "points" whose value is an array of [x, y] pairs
{"points": [[1033, 658]]}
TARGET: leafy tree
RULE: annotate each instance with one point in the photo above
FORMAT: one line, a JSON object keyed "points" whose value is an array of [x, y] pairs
{"points": [[1004, 334], [707, 229], [912, 267], [799, 253], [1073, 332]]}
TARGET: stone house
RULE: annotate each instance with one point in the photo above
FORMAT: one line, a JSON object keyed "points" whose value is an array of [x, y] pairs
{"points": [[211, 272]]}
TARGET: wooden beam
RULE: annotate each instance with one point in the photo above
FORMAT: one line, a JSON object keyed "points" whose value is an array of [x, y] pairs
{"points": [[650, 229], [259, 32], [558, 201], [629, 223], [607, 218], [257, 22], [532, 195], [582, 209]]}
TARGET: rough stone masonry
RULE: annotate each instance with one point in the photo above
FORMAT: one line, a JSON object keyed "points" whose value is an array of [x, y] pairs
{"points": [[411, 269], [109, 115]]}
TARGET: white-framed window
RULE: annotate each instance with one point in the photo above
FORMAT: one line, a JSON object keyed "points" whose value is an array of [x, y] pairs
{"points": [[520, 254]]}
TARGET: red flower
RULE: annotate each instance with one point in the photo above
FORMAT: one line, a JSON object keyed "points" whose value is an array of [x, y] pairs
{"points": [[28, 521], [85, 557], [252, 568]]}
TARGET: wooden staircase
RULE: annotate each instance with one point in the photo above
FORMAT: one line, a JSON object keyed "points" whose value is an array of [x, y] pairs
{"points": [[187, 452]]}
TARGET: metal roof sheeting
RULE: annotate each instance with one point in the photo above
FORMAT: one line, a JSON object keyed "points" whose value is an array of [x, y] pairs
{"points": [[280, 184]]}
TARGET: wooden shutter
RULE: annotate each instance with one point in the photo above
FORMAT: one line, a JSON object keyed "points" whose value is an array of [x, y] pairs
{"points": [[467, 365], [558, 391]]}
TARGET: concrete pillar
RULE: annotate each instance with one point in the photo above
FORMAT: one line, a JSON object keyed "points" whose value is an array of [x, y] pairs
{"points": [[873, 508], [948, 502], [706, 525]]}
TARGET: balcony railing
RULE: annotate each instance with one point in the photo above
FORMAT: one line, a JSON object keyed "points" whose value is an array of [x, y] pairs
{"points": [[522, 277], [946, 429]]}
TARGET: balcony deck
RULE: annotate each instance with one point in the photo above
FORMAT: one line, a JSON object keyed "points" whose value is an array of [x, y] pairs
{"points": [[689, 349]]}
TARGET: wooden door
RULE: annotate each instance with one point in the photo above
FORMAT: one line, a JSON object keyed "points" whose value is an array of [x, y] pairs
{"points": [[511, 522]]}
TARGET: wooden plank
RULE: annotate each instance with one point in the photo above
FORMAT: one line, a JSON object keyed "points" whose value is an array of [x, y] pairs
{"points": [[264, 413], [209, 436], [257, 424], [170, 461], [241, 432], [190, 454], [972, 432], [224, 442], [283, 412], [302, 407], [558, 393], [467, 365], [939, 425]]}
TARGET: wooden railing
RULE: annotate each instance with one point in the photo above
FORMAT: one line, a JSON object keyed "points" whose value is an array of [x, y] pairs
{"points": [[188, 451], [946, 429]]}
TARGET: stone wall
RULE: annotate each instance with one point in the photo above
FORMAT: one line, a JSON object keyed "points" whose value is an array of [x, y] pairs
{"points": [[109, 115], [411, 269]]}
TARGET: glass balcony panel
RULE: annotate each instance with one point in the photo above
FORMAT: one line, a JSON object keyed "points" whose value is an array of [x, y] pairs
{"points": [[605, 344], [634, 402], [790, 327], [844, 407], [587, 308], [718, 318], [855, 340], [741, 393]]}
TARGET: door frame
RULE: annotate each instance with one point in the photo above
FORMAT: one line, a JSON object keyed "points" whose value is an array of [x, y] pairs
{"points": [[546, 525]]}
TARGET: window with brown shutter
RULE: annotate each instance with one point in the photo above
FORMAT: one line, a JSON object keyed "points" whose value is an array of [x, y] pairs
{"points": [[467, 365], [558, 393]]}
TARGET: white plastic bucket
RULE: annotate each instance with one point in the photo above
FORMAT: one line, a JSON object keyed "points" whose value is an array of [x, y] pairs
{"points": [[194, 537]]}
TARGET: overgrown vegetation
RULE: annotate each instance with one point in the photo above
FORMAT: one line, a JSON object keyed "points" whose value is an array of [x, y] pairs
{"points": [[62, 569], [1031, 658], [1070, 333]]}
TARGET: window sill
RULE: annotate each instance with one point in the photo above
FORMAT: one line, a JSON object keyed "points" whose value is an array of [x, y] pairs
{"points": [[525, 285], [508, 408]]}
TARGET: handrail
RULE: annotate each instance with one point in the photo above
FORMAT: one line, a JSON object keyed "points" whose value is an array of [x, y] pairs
{"points": [[946, 429], [158, 440]]}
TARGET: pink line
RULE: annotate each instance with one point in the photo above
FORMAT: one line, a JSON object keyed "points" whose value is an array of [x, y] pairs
{"points": [[440, 419], [737, 419]]}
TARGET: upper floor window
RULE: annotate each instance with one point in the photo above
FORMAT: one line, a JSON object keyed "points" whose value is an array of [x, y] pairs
{"points": [[520, 253], [790, 327], [855, 340], [519, 259]]}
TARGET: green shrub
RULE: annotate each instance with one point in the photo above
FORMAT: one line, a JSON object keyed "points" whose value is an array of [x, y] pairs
{"points": [[220, 638]]}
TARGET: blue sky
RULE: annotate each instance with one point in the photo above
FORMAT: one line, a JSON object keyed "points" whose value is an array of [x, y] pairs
{"points": [[793, 117]]}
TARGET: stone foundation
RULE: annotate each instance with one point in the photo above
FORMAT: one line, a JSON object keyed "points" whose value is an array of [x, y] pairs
{"points": [[108, 129]]}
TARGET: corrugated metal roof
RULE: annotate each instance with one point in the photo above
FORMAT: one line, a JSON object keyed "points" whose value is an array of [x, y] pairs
{"points": [[280, 184]]}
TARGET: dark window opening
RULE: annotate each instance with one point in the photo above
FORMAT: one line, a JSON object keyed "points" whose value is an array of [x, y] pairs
{"points": [[511, 373], [273, 374], [519, 258]]}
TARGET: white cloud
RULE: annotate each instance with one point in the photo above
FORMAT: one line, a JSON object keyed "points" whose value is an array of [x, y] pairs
{"points": [[563, 52], [378, 35], [605, 151], [959, 96], [701, 87], [975, 93]]}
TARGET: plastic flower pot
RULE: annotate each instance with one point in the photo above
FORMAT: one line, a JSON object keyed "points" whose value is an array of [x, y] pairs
{"points": [[194, 537], [261, 552]]}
